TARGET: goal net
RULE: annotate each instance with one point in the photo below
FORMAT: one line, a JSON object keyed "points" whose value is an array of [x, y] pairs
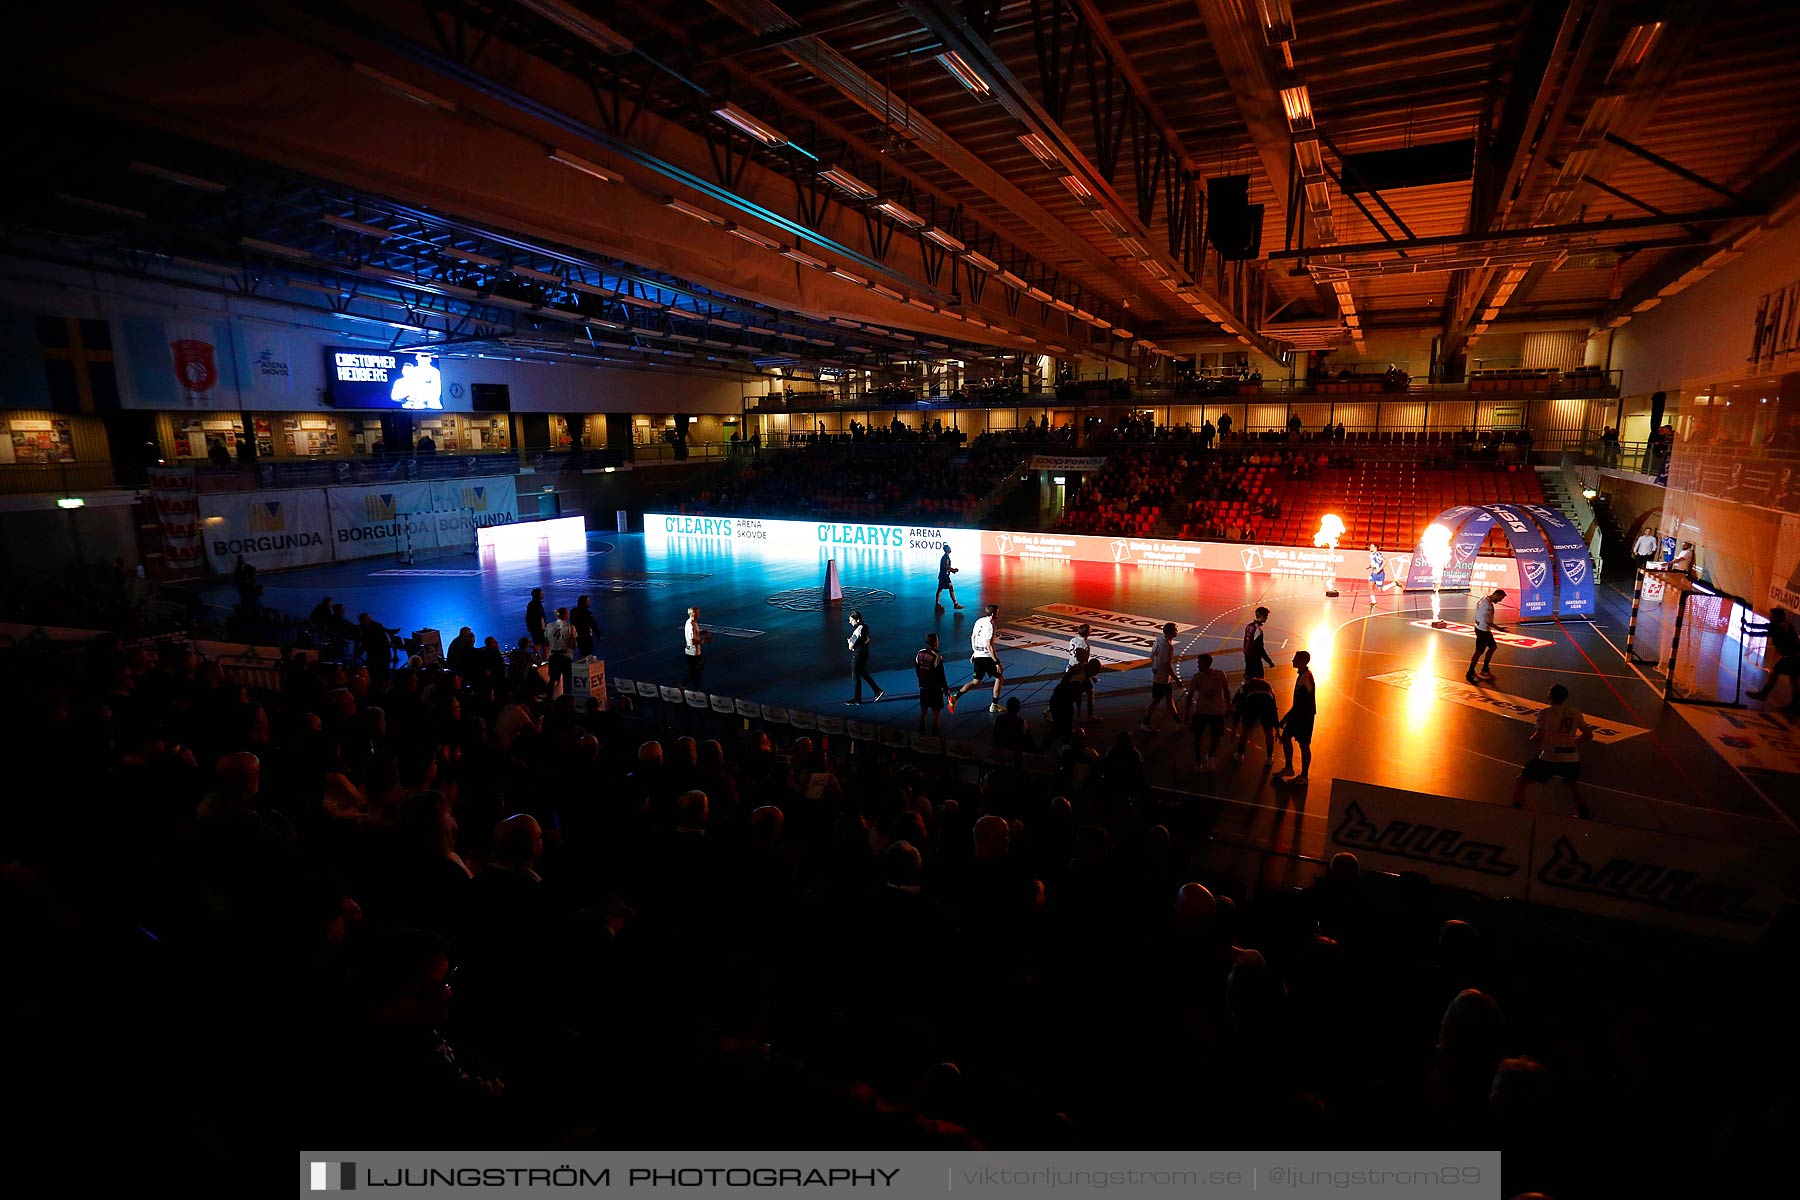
{"points": [[1693, 637]]}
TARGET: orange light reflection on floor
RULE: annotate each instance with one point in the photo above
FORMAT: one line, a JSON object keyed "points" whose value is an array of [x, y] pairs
{"points": [[1421, 697]]}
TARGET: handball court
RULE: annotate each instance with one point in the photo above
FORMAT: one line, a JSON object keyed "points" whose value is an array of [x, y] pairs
{"points": [[1394, 708]]}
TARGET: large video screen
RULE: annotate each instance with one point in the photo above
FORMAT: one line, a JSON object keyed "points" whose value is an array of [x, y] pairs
{"points": [[362, 378]]}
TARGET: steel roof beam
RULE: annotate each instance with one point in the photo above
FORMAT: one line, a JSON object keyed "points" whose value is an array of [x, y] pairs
{"points": [[1711, 216], [1153, 144]]}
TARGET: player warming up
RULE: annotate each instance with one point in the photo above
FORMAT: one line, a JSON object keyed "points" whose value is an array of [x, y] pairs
{"points": [[1485, 628], [928, 665], [1208, 700], [1165, 676], [945, 571], [1256, 656], [1297, 725], [1256, 706], [1378, 580], [981, 658], [1560, 731]]}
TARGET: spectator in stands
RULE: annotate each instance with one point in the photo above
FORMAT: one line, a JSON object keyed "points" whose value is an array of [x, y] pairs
{"points": [[799, 936], [403, 1074], [1011, 732], [232, 810], [217, 454], [377, 642], [426, 446], [461, 655], [522, 677], [1609, 447], [1471, 1043]]}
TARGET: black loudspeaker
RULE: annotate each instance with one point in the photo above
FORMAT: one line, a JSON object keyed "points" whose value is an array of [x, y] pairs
{"points": [[1233, 224], [490, 397]]}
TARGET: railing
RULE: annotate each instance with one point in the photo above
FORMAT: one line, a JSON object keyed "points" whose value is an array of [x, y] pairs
{"points": [[665, 452], [67, 478], [1640, 458], [325, 472], [1574, 480], [1003, 487], [1227, 391]]}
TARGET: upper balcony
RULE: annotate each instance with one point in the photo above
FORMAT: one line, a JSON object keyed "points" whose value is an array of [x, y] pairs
{"points": [[1524, 383]]}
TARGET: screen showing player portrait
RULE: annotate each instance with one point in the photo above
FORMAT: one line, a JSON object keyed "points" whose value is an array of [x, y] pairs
{"points": [[378, 379]]}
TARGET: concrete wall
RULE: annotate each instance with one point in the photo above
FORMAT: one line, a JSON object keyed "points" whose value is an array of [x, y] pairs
{"points": [[1702, 336], [31, 289]]}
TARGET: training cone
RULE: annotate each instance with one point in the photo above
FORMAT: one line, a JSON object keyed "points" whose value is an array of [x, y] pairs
{"points": [[834, 590]]}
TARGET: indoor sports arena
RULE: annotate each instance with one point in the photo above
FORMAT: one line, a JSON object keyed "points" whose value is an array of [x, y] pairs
{"points": [[970, 584]]}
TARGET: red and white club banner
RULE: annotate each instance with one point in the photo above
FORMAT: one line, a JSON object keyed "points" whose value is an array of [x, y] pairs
{"points": [[177, 517]]}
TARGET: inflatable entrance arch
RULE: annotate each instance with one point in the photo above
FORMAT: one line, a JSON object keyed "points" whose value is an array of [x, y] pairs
{"points": [[1556, 577]]}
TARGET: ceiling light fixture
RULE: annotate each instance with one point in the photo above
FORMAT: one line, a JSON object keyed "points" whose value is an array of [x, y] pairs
{"points": [[751, 236], [847, 183], [1311, 157], [900, 214], [694, 211], [981, 262], [1277, 21], [804, 259], [943, 239], [965, 74], [540, 276], [585, 166], [1042, 150], [1109, 222], [849, 277], [176, 177], [749, 126], [356, 227], [1296, 102], [400, 87], [1084, 195], [600, 36]]}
